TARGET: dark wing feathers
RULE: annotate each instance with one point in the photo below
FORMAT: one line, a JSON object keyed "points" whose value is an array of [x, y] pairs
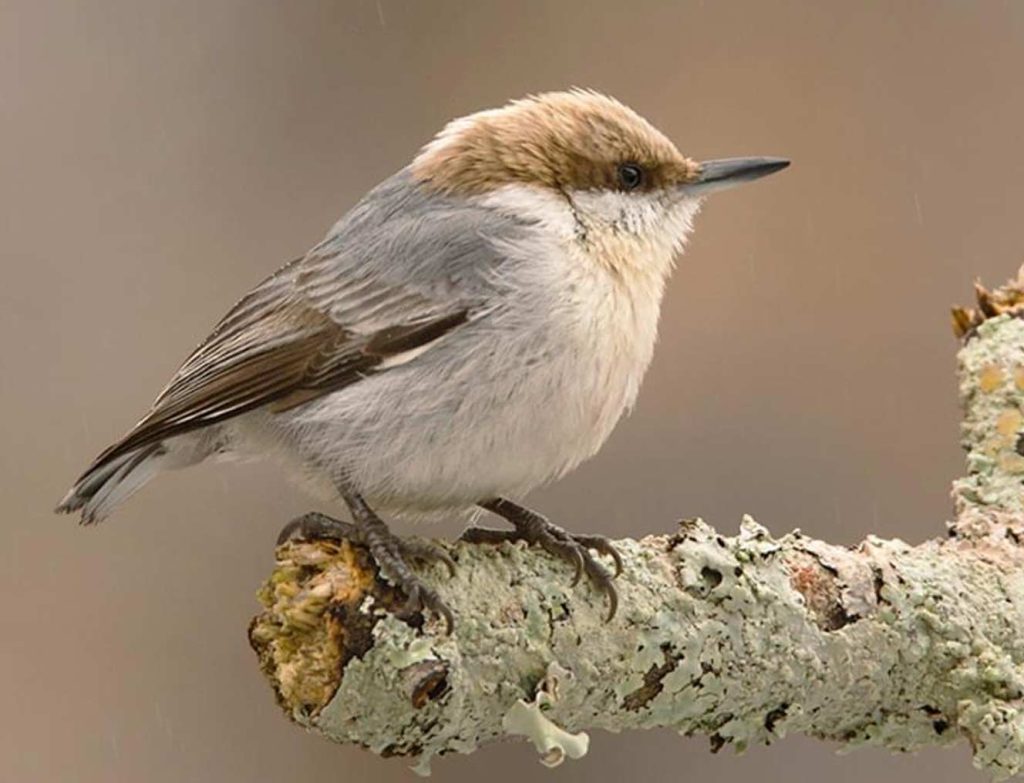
{"points": [[397, 339], [278, 347]]}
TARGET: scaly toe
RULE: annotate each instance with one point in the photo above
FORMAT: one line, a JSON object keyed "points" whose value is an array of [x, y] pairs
{"points": [[315, 526], [488, 535]]}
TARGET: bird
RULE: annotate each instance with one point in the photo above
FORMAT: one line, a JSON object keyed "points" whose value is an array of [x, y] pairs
{"points": [[473, 328]]}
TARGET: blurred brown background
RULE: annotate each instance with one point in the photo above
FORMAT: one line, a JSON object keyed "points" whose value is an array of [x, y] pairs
{"points": [[158, 158]]}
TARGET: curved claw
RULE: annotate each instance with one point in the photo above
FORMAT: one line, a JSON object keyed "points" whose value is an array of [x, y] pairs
{"points": [[433, 602], [602, 545], [412, 604], [560, 544], [422, 598], [578, 560], [428, 553], [618, 561], [445, 558], [602, 581], [289, 530]]}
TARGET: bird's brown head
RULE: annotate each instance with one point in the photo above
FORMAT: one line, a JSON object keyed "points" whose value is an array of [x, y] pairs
{"points": [[564, 141], [585, 166]]}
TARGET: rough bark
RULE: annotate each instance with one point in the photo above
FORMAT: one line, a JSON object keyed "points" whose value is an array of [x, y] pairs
{"points": [[743, 638]]}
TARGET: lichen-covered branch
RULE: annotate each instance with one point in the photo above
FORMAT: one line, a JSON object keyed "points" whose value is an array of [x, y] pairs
{"points": [[743, 638]]}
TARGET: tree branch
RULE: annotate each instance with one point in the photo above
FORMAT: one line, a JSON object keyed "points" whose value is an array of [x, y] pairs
{"points": [[743, 638]]}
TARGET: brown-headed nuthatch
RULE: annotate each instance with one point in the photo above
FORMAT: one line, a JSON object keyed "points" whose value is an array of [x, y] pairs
{"points": [[474, 327]]}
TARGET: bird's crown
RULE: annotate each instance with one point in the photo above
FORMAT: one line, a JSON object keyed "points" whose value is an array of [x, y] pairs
{"points": [[575, 140]]}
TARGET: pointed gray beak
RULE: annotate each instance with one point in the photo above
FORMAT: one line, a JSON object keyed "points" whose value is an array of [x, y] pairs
{"points": [[727, 172]]}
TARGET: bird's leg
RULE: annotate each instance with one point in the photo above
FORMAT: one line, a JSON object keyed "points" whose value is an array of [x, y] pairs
{"points": [[536, 529], [390, 552]]}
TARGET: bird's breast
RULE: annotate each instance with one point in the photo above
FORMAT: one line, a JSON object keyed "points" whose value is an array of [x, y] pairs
{"points": [[611, 319]]}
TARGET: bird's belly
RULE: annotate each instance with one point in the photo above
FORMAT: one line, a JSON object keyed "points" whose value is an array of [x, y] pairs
{"points": [[446, 431], [511, 401]]}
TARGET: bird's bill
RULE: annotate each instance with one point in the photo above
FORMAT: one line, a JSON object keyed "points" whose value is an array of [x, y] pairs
{"points": [[726, 172]]}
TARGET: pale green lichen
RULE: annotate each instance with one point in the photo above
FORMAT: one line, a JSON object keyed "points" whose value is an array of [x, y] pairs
{"points": [[992, 393], [527, 719], [743, 638], [714, 636]]}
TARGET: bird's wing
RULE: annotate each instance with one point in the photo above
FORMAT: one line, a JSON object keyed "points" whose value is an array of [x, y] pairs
{"points": [[398, 273], [279, 347]]}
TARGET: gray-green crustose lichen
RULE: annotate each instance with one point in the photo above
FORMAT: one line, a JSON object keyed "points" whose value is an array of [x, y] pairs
{"points": [[992, 393], [740, 656], [743, 638]]}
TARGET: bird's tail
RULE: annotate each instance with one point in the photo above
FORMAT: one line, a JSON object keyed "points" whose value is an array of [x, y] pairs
{"points": [[110, 481]]}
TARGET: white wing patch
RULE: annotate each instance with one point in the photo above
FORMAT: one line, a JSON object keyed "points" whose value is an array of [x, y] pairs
{"points": [[398, 359]]}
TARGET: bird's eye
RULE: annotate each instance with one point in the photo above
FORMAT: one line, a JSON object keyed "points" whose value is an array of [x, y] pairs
{"points": [[631, 176]]}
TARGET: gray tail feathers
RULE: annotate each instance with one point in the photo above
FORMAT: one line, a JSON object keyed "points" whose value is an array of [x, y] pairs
{"points": [[111, 480]]}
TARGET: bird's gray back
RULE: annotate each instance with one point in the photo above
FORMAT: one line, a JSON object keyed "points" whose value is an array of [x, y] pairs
{"points": [[413, 238]]}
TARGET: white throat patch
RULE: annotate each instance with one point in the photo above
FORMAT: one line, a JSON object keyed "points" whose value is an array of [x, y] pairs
{"points": [[633, 232], [640, 233]]}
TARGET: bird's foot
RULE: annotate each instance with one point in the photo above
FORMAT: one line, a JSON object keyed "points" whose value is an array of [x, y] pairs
{"points": [[391, 553], [533, 528]]}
